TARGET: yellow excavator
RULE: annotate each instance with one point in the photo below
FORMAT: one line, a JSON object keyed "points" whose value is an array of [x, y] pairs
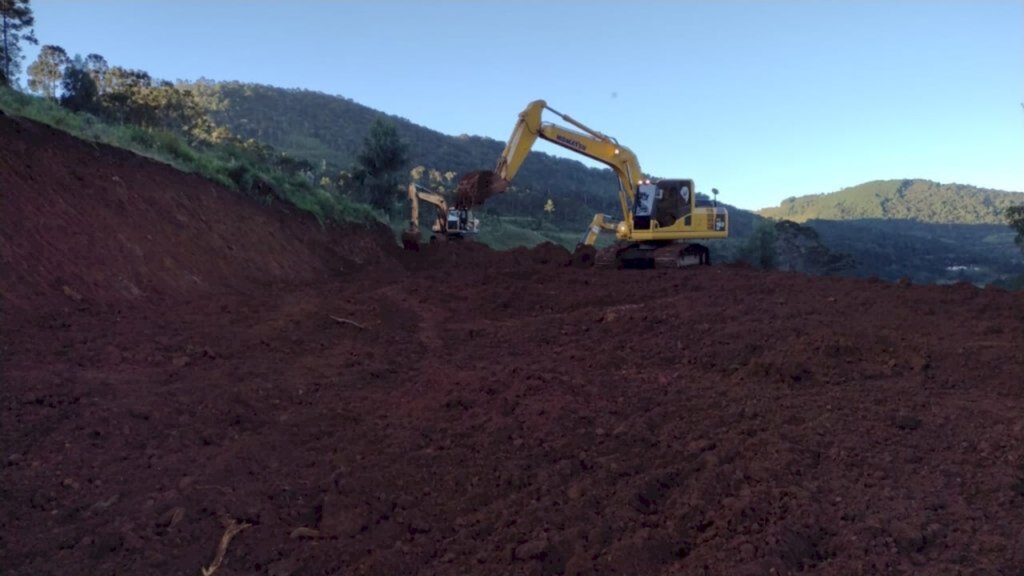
{"points": [[656, 216], [449, 223]]}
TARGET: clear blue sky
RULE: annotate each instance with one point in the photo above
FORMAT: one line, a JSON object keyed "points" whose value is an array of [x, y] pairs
{"points": [[761, 99]]}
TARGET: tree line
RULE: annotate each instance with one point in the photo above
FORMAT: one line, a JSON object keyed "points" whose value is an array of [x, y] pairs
{"points": [[122, 95], [920, 200]]}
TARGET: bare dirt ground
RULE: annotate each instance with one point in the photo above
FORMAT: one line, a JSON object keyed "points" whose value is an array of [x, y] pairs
{"points": [[175, 356]]}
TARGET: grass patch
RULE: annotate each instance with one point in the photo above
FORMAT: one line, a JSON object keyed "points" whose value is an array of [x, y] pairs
{"points": [[229, 164]]}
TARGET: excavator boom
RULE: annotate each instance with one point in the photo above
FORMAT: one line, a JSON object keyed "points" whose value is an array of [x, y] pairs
{"points": [[585, 141]]}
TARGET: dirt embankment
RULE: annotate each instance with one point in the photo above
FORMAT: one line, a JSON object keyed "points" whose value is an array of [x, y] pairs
{"points": [[108, 225], [464, 411]]}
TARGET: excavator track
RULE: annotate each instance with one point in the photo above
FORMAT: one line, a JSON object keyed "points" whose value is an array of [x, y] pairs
{"points": [[643, 256]]}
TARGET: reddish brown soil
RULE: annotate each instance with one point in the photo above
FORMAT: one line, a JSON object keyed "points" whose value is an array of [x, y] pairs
{"points": [[461, 411], [476, 187]]}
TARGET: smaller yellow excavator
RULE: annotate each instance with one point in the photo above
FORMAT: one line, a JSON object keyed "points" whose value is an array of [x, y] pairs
{"points": [[449, 223]]}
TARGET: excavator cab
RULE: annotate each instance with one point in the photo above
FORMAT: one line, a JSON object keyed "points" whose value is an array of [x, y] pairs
{"points": [[675, 199], [460, 223], [663, 203]]}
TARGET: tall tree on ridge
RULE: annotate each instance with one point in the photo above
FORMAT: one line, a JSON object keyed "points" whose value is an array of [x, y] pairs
{"points": [[45, 73], [98, 68], [1015, 218], [78, 88], [16, 21], [382, 156]]}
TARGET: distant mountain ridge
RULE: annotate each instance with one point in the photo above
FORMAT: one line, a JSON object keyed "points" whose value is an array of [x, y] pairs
{"points": [[912, 199], [321, 128]]}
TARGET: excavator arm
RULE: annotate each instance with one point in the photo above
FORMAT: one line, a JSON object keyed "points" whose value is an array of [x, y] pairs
{"points": [[585, 141], [600, 223], [411, 235], [417, 194]]}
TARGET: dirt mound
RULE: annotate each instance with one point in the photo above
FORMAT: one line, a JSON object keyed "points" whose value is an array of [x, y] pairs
{"points": [[544, 254], [461, 254], [105, 224], [473, 411], [447, 254]]}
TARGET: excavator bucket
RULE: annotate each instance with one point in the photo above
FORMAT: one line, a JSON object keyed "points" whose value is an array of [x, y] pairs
{"points": [[476, 187], [584, 256], [411, 240]]}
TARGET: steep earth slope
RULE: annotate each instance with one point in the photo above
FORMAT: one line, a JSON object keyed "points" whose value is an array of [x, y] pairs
{"points": [[110, 225], [525, 418]]}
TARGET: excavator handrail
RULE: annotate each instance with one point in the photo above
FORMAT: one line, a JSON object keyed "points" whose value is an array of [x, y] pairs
{"points": [[581, 125]]}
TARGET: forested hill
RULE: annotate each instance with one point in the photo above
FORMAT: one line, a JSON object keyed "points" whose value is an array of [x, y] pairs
{"points": [[317, 126], [921, 200], [328, 129]]}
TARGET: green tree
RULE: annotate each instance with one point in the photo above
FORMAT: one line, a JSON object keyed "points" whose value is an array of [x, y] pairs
{"points": [[383, 151], [78, 89], [1015, 217], [45, 73], [16, 21], [120, 92], [165, 106], [381, 158], [98, 68]]}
